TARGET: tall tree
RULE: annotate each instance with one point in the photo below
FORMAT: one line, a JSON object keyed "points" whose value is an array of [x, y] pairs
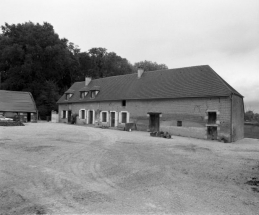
{"points": [[33, 54], [150, 66]]}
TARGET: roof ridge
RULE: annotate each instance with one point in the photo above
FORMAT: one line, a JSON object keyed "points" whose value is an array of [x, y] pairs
{"points": [[145, 71], [11, 91]]}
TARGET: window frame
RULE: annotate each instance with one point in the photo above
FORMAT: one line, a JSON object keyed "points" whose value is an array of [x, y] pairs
{"points": [[107, 116], [179, 123], [123, 103], [127, 117], [64, 114], [83, 94]]}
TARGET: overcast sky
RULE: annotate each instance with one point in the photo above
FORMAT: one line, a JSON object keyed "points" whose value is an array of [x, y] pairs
{"points": [[179, 33]]}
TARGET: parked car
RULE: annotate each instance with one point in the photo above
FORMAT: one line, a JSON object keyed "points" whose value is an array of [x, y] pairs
{"points": [[2, 118]]}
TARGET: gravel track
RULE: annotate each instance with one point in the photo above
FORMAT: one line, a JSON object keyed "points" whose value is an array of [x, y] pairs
{"points": [[48, 168]]}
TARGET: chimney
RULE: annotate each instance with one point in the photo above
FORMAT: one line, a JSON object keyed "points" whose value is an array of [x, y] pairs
{"points": [[87, 80], [140, 72]]}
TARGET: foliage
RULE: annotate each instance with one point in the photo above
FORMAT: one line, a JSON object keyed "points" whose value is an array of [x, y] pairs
{"points": [[250, 116], [33, 58], [150, 66]]}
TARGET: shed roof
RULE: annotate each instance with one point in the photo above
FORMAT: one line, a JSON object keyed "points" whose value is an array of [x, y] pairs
{"points": [[196, 81], [17, 101]]}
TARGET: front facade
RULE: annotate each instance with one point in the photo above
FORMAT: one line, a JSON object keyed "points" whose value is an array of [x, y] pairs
{"points": [[186, 109], [18, 106]]}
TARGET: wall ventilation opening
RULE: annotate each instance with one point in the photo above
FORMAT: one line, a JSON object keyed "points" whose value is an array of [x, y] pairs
{"points": [[179, 123]]}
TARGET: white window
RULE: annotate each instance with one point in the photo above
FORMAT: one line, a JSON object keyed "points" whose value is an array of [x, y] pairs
{"points": [[82, 114], [124, 117], [83, 94], [64, 114], [69, 95], [104, 116], [94, 93]]}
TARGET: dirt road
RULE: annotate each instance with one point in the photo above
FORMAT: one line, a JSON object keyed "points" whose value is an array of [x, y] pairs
{"points": [[58, 168]]}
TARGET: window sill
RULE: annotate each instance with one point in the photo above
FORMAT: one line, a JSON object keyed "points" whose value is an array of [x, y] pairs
{"points": [[214, 125]]}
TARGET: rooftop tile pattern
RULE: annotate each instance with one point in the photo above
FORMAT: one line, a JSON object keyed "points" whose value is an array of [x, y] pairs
{"points": [[196, 81], [16, 101]]}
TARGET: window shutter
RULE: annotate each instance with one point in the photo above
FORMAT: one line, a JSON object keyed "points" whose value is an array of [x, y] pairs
{"points": [[120, 117], [116, 118], [93, 117], [101, 116], [128, 116], [79, 115], [87, 116], [66, 114], [108, 116]]}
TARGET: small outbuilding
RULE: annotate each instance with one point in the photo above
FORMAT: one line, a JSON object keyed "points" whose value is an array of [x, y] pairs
{"points": [[18, 105]]}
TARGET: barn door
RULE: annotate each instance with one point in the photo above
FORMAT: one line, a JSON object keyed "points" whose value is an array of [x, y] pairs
{"points": [[154, 122]]}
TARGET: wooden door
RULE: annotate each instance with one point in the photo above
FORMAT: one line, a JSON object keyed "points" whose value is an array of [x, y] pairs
{"points": [[69, 113], [91, 114], [154, 122], [112, 119], [212, 132]]}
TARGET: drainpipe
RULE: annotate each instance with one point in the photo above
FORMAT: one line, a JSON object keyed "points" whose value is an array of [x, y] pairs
{"points": [[231, 118]]}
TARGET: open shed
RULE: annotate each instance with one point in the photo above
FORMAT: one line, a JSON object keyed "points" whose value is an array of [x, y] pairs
{"points": [[18, 105]]}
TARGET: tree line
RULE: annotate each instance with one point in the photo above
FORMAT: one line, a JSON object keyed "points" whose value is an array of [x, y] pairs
{"points": [[250, 116], [35, 59]]}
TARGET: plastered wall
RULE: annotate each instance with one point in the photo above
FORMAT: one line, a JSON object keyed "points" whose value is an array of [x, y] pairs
{"points": [[237, 118], [192, 112]]}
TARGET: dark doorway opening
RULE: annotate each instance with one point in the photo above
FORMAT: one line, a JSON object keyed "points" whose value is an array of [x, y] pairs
{"points": [[28, 117], [91, 117], [212, 132], [112, 119], [154, 122], [69, 113], [212, 117]]}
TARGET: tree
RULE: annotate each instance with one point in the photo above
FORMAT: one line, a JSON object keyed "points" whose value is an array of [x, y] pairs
{"points": [[32, 55], [150, 66], [104, 64]]}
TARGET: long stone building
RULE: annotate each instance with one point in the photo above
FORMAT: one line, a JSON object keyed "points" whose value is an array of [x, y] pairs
{"points": [[192, 101]]}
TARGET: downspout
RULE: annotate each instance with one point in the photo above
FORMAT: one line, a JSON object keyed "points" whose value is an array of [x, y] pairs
{"points": [[231, 117]]}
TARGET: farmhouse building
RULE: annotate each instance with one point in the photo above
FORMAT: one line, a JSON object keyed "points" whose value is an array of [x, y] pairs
{"points": [[192, 101], [18, 105]]}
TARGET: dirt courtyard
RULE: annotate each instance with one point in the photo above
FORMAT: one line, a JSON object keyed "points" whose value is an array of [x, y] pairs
{"points": [[49, 168]]}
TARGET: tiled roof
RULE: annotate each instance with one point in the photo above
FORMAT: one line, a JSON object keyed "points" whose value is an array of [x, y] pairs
{"points": [[196, 81], [16, 101]]}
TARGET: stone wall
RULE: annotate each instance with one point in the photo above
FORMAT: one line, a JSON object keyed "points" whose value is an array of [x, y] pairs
{"points": [[193, 112]]}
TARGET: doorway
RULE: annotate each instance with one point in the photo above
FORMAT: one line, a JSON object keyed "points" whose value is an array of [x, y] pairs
{"points": [[69, 113], [112, 119], [212, 117], [212, 132], [154, 122], [28, 117], [91, 117]]}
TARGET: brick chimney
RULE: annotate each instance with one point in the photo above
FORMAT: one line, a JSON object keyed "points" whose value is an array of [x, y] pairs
{"points": [[87, 80], [140, 72]]}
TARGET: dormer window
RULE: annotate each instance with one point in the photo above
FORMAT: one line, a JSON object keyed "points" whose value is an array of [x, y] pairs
{"points": [[83, 94], [68, 95], [94, 93]]}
